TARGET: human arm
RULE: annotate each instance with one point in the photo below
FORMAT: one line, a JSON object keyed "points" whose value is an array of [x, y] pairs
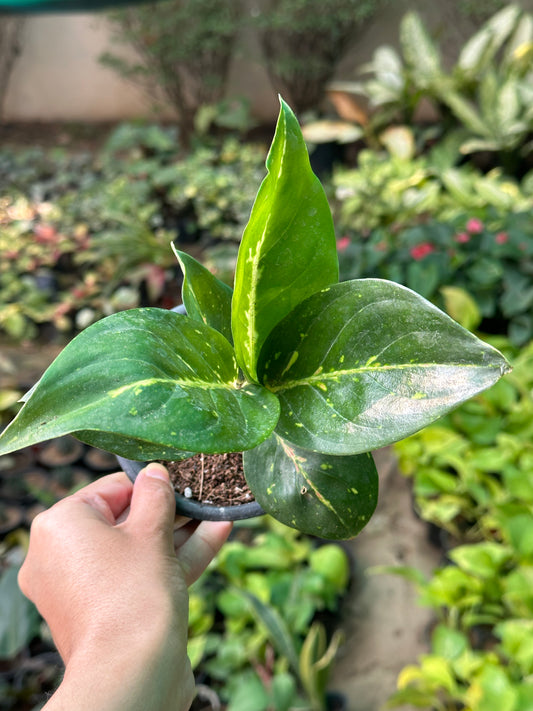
{"points": [[103, 572]]}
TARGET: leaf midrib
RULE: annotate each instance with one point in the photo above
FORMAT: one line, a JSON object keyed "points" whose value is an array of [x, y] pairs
{"points": [[336, 374], [202, 384]]}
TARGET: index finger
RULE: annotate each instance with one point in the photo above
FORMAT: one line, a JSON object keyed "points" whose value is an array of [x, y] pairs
{"points": [[114, 490]]}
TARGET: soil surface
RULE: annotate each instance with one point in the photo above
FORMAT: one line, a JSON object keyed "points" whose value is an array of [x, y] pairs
{"points": [[199, 478]]}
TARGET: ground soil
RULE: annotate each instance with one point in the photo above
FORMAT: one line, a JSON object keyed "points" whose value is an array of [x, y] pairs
{"points": [[385, 628], [77, 136]]}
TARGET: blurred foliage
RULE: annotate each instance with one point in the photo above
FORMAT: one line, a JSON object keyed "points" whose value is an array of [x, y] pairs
{"points": [[303, 42], [396, 188], [251, 622], [472, 479], [82, 235], [184, 47], [483, 104], [490, 258]]}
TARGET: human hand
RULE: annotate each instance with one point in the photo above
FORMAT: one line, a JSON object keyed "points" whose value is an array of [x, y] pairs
{"points": [[102, 570]]}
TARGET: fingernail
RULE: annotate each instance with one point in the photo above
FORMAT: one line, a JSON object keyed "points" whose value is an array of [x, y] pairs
{"points": [[156, 471]]}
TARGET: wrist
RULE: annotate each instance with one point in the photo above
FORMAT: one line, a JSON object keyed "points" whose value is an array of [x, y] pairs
{"points": [[149, 669]]}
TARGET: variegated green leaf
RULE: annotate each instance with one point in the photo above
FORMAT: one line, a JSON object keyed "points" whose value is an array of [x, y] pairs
{"points": [[477, 54], [365, 363], [160, 383], [276, 626], [420, 51], [288, 248], [319, 494], [206, 298]]}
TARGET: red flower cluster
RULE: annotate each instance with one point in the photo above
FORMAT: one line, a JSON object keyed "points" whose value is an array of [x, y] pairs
{"points": [[474, 226], [421, 250], [343, 243]]}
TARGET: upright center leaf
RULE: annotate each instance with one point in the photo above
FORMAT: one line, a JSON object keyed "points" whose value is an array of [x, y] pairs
{"points": [[288, 249]]}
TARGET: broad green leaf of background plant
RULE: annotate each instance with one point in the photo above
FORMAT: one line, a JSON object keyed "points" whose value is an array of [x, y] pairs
{"points": [[365, 363], [288, 249], [326, 496], [276, 626], [155, 380], [19, 619], [206, 298]]}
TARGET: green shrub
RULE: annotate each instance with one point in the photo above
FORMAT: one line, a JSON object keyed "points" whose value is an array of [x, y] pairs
{"points": [[303, 42], [395, 189], [484, 101], [491, 259], [251, 617], [185, 48]]}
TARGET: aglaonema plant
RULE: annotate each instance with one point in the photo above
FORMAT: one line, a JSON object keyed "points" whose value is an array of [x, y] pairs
{"points": [[303, 374]]}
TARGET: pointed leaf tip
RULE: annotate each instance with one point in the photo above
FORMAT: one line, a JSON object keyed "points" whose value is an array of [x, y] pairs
{"points": [[288, 249]]}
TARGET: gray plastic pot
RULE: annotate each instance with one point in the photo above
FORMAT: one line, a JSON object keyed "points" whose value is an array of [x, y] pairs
{"points": [[190, 507], [196, 509]]}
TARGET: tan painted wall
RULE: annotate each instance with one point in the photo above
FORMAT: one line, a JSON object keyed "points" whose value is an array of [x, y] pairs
{"points": [[57, 76]]}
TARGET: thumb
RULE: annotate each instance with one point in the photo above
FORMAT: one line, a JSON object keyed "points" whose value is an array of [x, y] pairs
{"points": [[153, 506]]}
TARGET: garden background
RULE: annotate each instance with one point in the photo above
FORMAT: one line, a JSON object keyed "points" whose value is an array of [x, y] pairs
{"points": [[420, 126]]}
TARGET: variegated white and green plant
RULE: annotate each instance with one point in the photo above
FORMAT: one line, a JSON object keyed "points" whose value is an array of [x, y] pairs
{"points": [[302, 373]]}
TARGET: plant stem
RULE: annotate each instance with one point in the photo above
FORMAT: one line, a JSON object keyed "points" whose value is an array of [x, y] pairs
{"points": [[201, 476]]}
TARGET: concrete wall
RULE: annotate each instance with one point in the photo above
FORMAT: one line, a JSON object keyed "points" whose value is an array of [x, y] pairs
{"points": [[57, 76]]}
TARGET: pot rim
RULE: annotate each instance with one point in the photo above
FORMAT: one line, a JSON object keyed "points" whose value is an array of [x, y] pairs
{"points": [[196, 509]]}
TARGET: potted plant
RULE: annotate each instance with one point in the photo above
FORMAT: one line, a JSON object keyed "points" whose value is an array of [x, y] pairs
{"points": [[301, 373]]}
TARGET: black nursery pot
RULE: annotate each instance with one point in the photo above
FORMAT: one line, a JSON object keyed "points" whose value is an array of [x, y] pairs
{"points": [[196, 509]]}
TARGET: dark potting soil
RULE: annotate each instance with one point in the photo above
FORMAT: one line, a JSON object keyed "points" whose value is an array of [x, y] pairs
{"points": [[216, 479]]}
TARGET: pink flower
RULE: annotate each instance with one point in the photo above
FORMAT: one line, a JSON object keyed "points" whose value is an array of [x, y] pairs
{"points": [[474, 226], [343, 243], [45, 233], [421, 250], [462, 237], [501, 238]]}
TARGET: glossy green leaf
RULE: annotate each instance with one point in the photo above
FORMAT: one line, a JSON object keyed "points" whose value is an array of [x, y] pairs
{"points": [[368, 362], [288, 249], [322, 495], [276, 626], [284, 691], [492, 690], [157, 381], [206, 298]]}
